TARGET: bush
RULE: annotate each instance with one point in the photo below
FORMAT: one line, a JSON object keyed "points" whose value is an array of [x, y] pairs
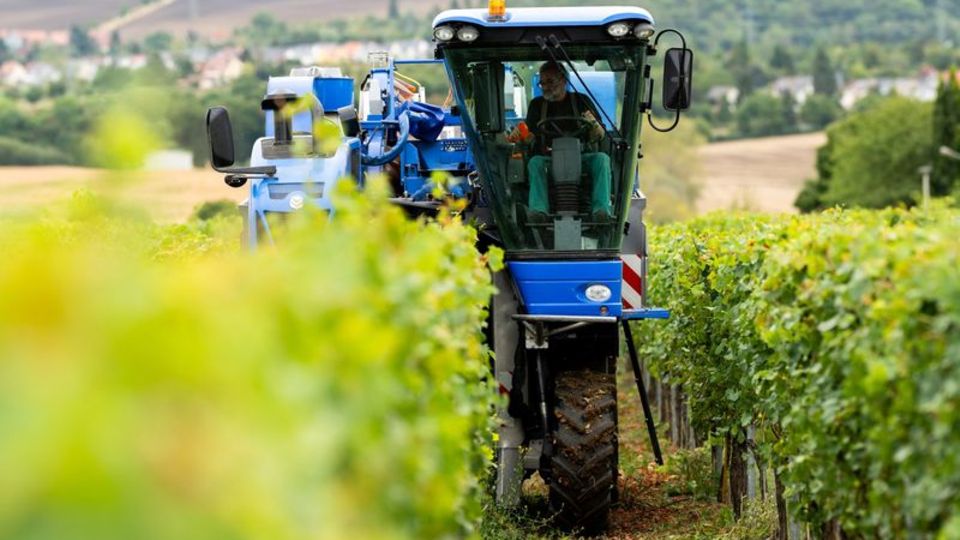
{"points": [[818, 111], [874, 154], [836, 331], [760, 115], [691, 473], [212, 209], [15, 152], [332, 387]]}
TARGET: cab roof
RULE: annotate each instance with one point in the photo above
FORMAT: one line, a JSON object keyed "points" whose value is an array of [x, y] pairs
{"points": [[546, 16]]}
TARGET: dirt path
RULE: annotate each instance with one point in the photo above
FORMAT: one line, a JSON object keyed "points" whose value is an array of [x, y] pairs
{"points": [[131, 16], [653, 504], [647, 510]]}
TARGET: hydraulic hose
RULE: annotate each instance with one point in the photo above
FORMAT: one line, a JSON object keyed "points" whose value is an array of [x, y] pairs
{"points": [[390, 155]]}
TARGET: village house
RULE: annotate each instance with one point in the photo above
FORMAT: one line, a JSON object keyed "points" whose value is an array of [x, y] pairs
{"points": [[717, 95], [223, 67], [799, 87], [922, 88]]}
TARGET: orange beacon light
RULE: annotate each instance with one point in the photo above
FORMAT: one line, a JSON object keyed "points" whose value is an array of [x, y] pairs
{"points": [[497, 9]]}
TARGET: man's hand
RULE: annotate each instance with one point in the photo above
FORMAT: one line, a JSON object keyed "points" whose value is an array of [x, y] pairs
{"points": [[520, 134], [596, 132]]}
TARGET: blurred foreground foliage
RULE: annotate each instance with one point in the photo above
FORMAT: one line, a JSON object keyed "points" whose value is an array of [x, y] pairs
{"points": [[837, 337], [159, 382]]}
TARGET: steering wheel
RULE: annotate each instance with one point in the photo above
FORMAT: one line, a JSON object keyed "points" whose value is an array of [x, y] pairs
{"points": [[550, 127]]}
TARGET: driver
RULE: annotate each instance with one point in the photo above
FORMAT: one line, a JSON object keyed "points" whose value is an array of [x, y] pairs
{"points": [[557, 102]]}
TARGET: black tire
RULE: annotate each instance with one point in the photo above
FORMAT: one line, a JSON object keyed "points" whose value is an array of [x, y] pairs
{"points": [[583, 466]]}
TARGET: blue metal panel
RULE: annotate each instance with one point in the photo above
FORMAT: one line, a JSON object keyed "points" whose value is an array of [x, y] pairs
{"points": [[333, 92], [558, 288], [301, 177], [646, 313], [547, 16]]}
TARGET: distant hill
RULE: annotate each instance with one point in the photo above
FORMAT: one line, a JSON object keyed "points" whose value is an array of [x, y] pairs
{"points": [[207, 17], [218, 18], [709, 24], [717, 24], [58, 14]]}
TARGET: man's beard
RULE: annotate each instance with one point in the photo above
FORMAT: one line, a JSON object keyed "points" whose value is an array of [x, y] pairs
{"points": [[555, 95]]}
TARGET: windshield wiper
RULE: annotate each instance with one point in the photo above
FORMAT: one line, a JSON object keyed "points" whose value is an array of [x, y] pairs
{"points": [[556, 44]]}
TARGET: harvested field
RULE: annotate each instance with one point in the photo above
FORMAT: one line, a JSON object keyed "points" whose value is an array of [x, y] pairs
{"points": [[59, 14], [218, 18], [215, 18], [757, 174], [168, 196]]}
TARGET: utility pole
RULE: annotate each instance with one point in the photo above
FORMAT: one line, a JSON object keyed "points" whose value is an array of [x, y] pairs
{"points": [[925, 179]]}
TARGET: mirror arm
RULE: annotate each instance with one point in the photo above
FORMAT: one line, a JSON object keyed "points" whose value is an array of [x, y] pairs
{"points": [[683, 41], [673, 126], [251, 172], [238, 176]]}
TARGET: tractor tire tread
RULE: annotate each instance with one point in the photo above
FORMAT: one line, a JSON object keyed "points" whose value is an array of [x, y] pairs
{"points": [[583, 469]]}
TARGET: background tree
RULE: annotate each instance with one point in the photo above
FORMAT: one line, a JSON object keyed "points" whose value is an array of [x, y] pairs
{"points": [[788, 112], [946, 132], [824, 76], [764, 114], [81, 44], [782, 61], [738, 65], [116, 46], [157, 42], [393, 10], [811, 197], [876, 153], [817, 112], [4, 52]]}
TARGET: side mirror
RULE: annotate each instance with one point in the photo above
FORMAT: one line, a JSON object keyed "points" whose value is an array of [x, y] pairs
{"points": [[220, 137], [677, 79]]}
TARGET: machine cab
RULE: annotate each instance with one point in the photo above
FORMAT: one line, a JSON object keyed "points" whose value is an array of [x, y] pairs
{"points": [[558, 172]]}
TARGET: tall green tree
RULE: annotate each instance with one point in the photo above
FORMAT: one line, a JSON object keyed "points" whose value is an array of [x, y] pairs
{"points": [[81, 44], [788, 112], [819, 111], [946, 132], [157, 42], [116, 46], [393, 10], [782, 60], [824, 75], [764, 114], [739, 65], [876, 153]]}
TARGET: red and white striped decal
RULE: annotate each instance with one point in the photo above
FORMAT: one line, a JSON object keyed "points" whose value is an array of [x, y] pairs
{"points": [[632, 282]]}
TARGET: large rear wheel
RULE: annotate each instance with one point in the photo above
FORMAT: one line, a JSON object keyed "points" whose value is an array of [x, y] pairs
{"points": [[584, 462]]}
